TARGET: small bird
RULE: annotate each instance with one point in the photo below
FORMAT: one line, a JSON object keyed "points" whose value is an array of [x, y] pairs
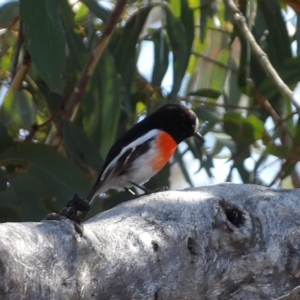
{"points": [[145, 149]]}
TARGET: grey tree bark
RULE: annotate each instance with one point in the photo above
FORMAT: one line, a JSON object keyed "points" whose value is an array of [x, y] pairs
{"points": [[217, 242]]}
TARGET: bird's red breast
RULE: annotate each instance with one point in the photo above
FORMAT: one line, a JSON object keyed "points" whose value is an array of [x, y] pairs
{"points": [[166, 146]]}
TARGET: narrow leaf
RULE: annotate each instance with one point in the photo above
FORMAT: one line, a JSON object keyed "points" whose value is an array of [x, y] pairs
{"points": [[8, 11], [208, 93], [177, 36], [80, 148], [99, 11], [161, 57], [38, 172], [46, 40]]}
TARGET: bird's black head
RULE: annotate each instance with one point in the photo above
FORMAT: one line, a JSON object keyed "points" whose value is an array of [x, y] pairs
{"points": [[177, 120]]}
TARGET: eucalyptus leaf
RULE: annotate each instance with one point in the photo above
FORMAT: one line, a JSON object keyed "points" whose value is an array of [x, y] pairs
{"points": [[46, 40]]}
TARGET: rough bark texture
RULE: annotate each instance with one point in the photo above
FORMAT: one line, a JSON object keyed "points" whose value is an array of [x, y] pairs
{"points": [[218, 242]]}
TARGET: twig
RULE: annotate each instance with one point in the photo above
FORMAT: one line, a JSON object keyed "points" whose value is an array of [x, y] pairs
{"points": [[20, 75], [267, 105], [289, 116], [228, 178], [17, 50], [294, 294], [284, 166], [35, 127], [215, 62], [260, 54], [213, 104], [214, 29]]}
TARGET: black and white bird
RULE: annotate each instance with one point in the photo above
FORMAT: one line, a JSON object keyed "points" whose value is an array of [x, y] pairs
{"points": [[145, 149]]}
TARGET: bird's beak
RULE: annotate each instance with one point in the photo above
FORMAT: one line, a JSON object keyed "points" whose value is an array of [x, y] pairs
{"points": [[198, 136]]}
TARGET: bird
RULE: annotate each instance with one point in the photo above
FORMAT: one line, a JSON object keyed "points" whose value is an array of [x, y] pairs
{"points": [[145, 149]]}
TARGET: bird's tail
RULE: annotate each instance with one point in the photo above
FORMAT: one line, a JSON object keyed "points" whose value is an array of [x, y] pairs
{"points": [[92, 195]]}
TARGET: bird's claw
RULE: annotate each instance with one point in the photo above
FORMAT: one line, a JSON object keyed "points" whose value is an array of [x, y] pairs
{"points": [[75, 210]]}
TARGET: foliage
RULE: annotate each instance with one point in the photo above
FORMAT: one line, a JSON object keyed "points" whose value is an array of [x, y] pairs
{"points": [[46, 157]]}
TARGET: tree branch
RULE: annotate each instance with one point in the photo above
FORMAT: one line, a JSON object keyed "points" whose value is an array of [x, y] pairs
{"points": [[260, 54], [215, 62], [225, 241], [18, 49]]}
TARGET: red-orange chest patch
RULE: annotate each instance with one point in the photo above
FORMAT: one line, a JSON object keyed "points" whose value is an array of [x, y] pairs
{"points": [[166, 146]]}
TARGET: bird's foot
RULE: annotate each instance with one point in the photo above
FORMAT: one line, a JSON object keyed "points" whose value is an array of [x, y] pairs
{"points": [[75, 210], [147, 191]]}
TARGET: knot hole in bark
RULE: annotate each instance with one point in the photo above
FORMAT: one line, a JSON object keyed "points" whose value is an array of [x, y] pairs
{"points": [[191, 246], [234, 215]]}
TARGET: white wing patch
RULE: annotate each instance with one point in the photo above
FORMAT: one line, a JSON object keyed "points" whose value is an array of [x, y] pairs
{"points": [[151, 134]]}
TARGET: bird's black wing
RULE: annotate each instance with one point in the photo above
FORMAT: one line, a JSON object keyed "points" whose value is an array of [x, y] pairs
{"points": [[122, 165]]}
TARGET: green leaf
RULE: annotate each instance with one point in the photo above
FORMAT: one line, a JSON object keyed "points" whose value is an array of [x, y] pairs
{"points": [[297, 133], [77, 51], [207, 93], [3, 183], [204, 15], [175, 7], [80, 148], [178, 158], [25, 197], [208, 164], [18, 112], [123, 44], [54, 100], [161, 57], [103, 125], [8, 215], [46, 40], [8, 11], [278, 49], [288, 71], [297, 34], [258, 127], [37, 174], [6, 140], [209, 115], [99, 11], [233, 91], [181, 53], [243, 130], [187, 20], [280, 151]]}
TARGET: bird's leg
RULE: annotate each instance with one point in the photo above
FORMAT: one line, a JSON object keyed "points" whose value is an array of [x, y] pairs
{"points": [[147, 191], [130, 191]]}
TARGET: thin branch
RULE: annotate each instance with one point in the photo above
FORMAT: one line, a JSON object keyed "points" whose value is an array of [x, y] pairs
{"points": [[20, 74], [260, 54], [229, 176], [35, 127], [17, 50], [267, 106], [213, 104], [214, 29], [284, 166], [215, 62], [289, 116], [294, 294]]}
